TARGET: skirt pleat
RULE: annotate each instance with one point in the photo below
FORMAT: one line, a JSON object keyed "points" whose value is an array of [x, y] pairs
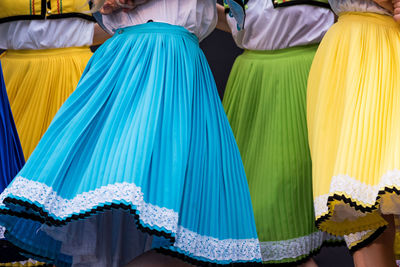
{"points": [[142, 144], [11, 161], [354, 131], [38, 82], [11, 157], [265, 102]]}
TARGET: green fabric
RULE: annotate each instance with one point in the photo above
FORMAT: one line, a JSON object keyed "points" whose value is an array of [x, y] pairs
{"points": [[265, 101]]}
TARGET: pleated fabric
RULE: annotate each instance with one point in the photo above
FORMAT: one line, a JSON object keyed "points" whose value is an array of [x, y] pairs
{"points": [[143, 143], [38, 82], [11, 157], [11, 161], [354, 130], [265, 101]]}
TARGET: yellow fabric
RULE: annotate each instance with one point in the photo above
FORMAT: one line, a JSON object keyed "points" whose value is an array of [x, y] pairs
{"points": [[354, 123], [69, 6], [11, 8], [27, 263], [38, 82]]}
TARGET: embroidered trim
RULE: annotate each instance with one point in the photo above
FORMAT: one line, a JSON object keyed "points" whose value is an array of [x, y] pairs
{"points": [[216, 249], [190, 242], [357, 191], [356, 241], [55, 205], [291, 248], [321, 205], [2, 232], [354, 238]]}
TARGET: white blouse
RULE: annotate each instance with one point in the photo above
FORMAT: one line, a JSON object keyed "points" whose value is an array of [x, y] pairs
{"points": [[269, 28], [46, 34], [197, 16], [357, 6]]}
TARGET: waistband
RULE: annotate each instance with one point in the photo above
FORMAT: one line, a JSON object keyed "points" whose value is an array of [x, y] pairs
{"points": [[46, 52], [286, 52], [368, 17], [157, 27]]}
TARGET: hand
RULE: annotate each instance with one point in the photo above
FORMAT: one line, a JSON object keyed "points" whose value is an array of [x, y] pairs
{"points": [[109, 7], [386, 4], [125, 5], [130, 4], [396, 12]]}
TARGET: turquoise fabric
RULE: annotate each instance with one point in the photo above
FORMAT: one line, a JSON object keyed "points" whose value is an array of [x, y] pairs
{"points": [[237, 9], [144, 132]]}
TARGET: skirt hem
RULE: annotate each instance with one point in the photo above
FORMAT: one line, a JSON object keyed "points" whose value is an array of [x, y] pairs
{"points": [[349, 202], [148, 218]]}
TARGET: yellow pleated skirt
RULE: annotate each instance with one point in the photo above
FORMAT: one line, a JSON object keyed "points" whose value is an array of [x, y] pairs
{"points": [[38, 82], [354, 124]]}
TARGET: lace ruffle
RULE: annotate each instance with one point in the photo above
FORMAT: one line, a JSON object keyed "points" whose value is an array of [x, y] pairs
{"points": [[44, 196], [217, 249], [361, 194], [157, 217], [291, 248], [2, 232]]}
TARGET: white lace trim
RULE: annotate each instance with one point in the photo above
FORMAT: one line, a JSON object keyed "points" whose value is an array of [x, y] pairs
{"points": [[186, 240], [354, 238], [320, 205], [291, 248], [361, 192], [44, 195], [26, 262], [216, 249], [2, 232]]}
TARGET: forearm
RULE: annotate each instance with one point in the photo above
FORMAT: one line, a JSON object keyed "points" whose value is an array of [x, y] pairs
{"points": [[386, 4], [99, 36], [222, 21]]}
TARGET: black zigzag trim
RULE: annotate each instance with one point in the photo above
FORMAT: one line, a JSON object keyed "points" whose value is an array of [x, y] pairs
{"points": [[44, 217], [352, 203], [369, 240]]}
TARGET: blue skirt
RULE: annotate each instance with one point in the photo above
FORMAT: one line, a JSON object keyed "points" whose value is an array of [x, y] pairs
{"points": [[142, 144], [11, 156], [11, 161]]}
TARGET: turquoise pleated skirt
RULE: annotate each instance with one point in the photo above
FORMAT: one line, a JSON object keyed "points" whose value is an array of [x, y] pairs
{"points": [[142, 144]]}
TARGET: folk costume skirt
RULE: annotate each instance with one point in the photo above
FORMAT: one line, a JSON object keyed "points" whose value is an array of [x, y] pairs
{"points": [[354, 126], [11, 161], [265, 101], [38, 82], [142, 144]]}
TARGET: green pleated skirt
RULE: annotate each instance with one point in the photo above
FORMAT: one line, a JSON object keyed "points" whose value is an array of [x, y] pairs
{"points": [[265, 101]]}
